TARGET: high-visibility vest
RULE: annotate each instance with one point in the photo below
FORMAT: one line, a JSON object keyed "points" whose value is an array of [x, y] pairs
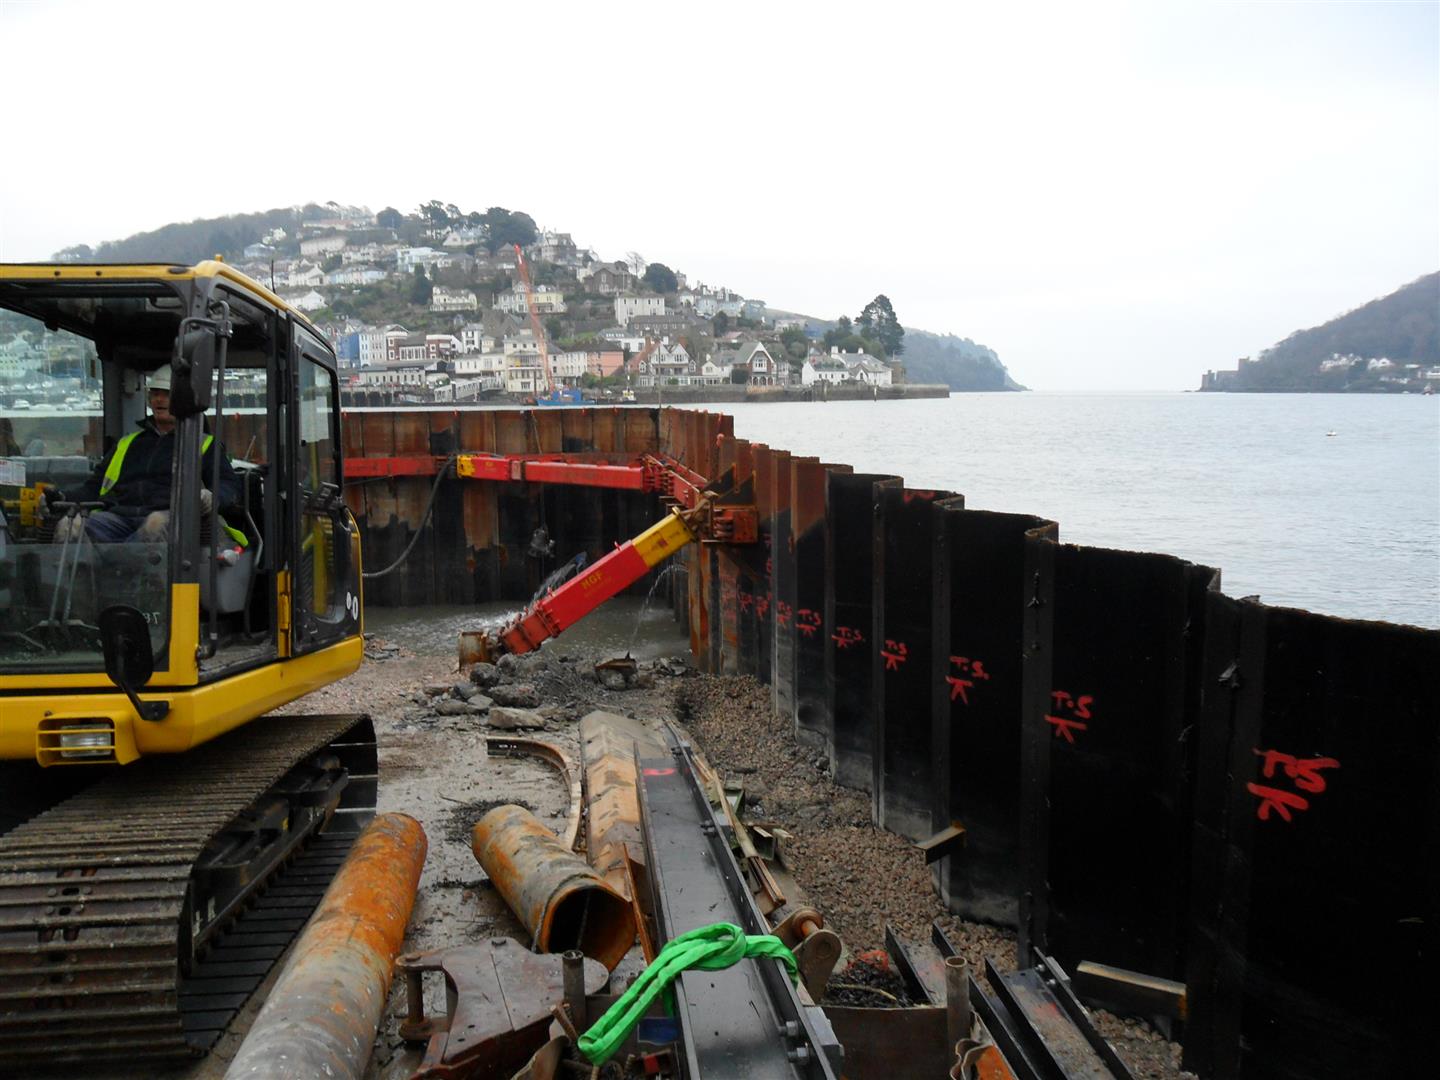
{"points": [[117, 462]]}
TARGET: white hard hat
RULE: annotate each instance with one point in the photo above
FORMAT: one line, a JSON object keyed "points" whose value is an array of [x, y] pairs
{"points": [[159, 379]]}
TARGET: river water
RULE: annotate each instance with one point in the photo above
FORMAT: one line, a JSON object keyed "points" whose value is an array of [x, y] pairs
{"points": [[1345, 524]]}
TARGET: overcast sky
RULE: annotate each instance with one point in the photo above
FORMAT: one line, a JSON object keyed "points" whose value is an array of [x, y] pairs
{"points": [[1111, 196]]}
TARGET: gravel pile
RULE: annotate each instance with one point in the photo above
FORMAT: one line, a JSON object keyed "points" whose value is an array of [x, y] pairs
{"points": [[860, 877]]}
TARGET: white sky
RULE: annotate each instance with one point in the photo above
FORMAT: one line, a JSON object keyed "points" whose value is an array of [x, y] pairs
{"points": [[1112, 196]]}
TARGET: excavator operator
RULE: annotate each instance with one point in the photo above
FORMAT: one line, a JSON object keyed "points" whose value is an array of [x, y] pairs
{"points": [[133, 481]]}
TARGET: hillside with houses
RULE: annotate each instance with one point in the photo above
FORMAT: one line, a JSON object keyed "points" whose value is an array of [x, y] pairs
{"points": [[434, 306], [1390, 345]]}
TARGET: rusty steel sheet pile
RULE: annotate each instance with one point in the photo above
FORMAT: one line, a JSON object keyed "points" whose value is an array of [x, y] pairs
{"points": [[1098, 749]]}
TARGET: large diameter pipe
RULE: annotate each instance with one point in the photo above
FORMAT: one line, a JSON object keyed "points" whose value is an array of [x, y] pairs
{"points": [[562, 901], [321, 1018]]}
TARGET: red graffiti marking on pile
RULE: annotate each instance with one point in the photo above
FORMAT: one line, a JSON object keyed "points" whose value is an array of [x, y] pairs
{"points": [[1069, 713], [807, 621], [782, 614], [971, 672], [1304, 771], [845, 636], [895, 654]]}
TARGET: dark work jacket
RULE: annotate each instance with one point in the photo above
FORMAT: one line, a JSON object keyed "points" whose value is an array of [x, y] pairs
{"points": [[144, 483]]}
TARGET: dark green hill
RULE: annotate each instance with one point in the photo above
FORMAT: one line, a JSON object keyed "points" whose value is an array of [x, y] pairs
{"points": [[957, 362], [1403, 327], [191, 241]]}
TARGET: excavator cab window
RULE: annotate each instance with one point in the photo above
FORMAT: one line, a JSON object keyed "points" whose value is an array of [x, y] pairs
{"points": [[327, 586], [66, 388], [78, 360]]}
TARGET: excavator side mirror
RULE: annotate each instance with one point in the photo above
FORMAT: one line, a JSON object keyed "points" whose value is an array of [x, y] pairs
{"points": [[129, 660], [194, 371]]}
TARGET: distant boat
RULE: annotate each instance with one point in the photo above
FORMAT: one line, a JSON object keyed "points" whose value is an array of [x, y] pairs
{"points": [[564, 396], [1329, 434]]}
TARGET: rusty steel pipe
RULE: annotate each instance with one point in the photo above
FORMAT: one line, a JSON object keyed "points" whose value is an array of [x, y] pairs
{"points": [[321, 1018], [562, 901], [957, 999]]}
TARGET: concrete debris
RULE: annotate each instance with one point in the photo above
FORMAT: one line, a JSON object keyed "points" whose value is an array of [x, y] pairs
{"points": [[484, 675], [452, 707], [519, 695], [437, 689], [508, 719], [612, 680], [379, 651]]}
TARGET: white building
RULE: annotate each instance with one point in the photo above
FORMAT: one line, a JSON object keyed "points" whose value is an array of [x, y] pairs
{"points": [[548, 301], [472, 364], [821, 368], [355, 275], [623, 338], [474, 339], [567, 368], [322, 245], [523, 375], [371, 344], [310, 301], [521, 343], [398, 373], [305, 275], [407, 258], [443, 299], [627, 307]]}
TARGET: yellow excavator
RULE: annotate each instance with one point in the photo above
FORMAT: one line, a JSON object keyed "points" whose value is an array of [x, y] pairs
{"points": [[160, 831]]}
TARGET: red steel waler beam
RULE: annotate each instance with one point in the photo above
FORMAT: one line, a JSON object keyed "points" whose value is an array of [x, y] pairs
{"points": [[650, 474]]}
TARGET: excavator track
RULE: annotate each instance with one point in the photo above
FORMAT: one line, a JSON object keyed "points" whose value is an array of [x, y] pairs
{"points": [[129, 907]]}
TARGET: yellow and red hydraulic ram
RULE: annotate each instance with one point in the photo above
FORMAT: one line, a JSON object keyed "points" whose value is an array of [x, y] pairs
{"points": [[605, 578]]}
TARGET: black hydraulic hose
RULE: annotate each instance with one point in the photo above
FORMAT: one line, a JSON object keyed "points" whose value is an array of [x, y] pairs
{"points": [[424, 519]]}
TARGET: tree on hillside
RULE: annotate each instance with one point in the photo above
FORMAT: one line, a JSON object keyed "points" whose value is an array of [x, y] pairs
{"points": [[660, 278], [721, 324], [435, 215], [503, 228], [389, 218], [421, 290], [75, 253], [795, 342], [878, 320]]}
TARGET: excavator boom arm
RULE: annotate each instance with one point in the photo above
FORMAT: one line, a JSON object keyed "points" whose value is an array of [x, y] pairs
{"points": [[607, 577]]}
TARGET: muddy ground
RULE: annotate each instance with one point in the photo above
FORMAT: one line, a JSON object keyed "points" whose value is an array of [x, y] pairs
{"points": [[434, 766]]}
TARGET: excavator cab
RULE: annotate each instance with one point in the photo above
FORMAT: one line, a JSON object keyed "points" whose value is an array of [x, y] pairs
{"points": [[227, 613]]}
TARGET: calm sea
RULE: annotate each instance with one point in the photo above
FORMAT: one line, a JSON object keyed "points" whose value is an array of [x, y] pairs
{"points": [[1346, 523]]}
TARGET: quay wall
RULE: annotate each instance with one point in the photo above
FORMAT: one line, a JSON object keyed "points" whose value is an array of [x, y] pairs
{"points": [[1142, 771], [392, 398]]}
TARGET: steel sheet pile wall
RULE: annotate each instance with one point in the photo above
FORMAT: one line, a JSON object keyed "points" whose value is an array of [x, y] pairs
{"points": [[1117, 694], [1317, 882], [474, 547], [976, 687], [1147, 773]]}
